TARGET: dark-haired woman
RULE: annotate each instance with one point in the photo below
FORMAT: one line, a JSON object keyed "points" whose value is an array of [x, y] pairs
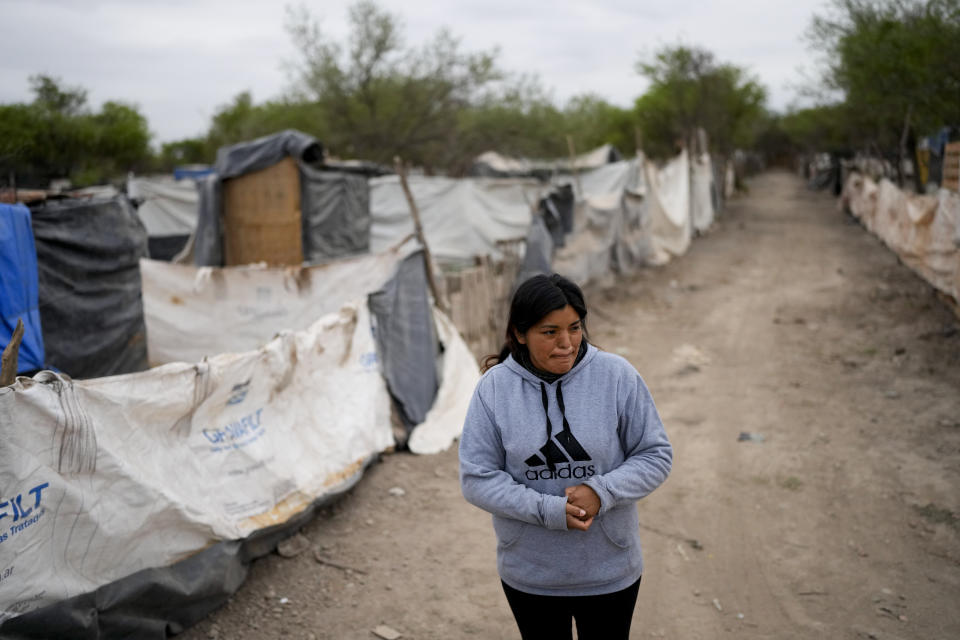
{"points": [[559, 443]]}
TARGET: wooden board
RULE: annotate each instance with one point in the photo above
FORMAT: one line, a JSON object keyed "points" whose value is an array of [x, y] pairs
{"points": [[261, 216], [951, 166]]}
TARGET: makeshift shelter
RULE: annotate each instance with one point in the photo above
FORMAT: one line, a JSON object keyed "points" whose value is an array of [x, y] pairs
{"points": [[18, 286], [174, 479], [88, 253], [279, 206], [168, 210]]}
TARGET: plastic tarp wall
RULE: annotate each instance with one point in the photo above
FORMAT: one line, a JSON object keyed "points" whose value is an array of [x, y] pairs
{"points": [[168, 210], [493, 164], [923, 230], [18, 286], [461, 218], [406, 339], [195, 312], [88, 254], [336, 214], [122, 474], [608, 231], [701, 193], [668, 208]]}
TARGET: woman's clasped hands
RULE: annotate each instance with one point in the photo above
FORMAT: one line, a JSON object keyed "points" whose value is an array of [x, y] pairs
{"points": [[583, 503]]}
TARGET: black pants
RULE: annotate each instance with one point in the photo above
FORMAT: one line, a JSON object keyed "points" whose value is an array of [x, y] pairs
{"points": [[603, 617]]}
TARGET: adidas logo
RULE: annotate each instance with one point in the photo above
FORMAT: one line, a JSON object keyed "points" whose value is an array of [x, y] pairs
{"points": [[551, 455]]}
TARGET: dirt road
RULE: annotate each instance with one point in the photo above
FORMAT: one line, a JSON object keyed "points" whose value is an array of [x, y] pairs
{"points": [[836, 516]]}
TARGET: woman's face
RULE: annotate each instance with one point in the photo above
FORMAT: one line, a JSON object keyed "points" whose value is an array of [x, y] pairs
{"points": [[554, 341]]}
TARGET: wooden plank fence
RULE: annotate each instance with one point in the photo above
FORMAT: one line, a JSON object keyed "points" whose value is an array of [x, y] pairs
{"points": [[479, 298]]}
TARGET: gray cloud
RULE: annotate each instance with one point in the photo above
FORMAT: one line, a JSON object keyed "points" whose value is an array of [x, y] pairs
{"points": [[178, 60]]}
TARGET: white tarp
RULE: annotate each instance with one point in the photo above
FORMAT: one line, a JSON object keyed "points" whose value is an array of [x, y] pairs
{"points": [[921, 229], [193, 312], [701, 199], [119, 474], [104, 477], [592, 159], [668, 208], [607, 233], [168, 207], [460, 372], [461, 218]]}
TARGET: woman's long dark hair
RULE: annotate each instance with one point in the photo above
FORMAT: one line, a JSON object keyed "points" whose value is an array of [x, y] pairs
{"points": [[533, 299]]}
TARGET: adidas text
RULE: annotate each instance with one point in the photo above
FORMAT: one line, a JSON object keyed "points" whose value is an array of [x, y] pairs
{"points": [[578, 472]]}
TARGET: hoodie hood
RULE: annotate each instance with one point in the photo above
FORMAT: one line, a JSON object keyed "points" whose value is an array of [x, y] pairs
{"points": [[533, 379]]}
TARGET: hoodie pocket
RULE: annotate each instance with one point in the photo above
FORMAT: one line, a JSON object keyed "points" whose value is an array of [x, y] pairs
{"points": [[621, 524], [508, 531]]}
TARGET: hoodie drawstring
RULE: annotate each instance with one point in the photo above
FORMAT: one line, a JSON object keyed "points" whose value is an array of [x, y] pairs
{"points": [[551, 452]]}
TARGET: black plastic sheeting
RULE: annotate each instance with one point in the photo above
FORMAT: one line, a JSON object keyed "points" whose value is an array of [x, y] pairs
{"points": [[538, 256], [406, 339], [557, 212], [335, 210], [247, 157], [166, 247], [90, 303], [157, 603]]}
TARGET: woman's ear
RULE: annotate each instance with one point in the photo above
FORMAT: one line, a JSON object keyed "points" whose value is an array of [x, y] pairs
{"points": [[521, 338]]}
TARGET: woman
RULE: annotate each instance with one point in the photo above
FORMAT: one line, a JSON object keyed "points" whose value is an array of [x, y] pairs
{"points": [[559, 443]]}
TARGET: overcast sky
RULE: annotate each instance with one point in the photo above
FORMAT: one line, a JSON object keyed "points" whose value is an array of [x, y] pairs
{"points": [[178, 60]]}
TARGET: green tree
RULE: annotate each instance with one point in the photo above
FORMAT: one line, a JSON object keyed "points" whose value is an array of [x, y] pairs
{"points": [[895, 64], [688, 90], [58, 136], [380, 98], [242, 120]]}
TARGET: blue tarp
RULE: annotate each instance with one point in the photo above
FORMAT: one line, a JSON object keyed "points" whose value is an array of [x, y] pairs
{"points": [[18, 285]]}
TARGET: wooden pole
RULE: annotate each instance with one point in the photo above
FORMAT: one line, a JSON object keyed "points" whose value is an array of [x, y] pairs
{"points": [[11, 354], [573, 164], [418, 230]]}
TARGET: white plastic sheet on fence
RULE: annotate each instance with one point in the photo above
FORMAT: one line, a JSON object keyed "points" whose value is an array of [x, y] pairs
{"points": [[701, 198], [193, 312], [923, 230], [462, 218], [104, 477], [460, 375], [607, 236], [668, 208], [169, 207]]}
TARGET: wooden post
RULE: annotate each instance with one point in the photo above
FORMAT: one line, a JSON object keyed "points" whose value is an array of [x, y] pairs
{"points": [[11, 354], [573, 164], [418, 230]]}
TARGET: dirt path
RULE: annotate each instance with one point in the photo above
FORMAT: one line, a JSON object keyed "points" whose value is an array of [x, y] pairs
{"points": [[837, 518]]}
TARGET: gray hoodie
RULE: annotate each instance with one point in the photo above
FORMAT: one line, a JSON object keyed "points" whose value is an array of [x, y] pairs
{"points": [[524, 441]]}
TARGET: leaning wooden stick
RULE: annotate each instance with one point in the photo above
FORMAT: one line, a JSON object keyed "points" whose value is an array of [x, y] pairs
{"points": [[418, 229], [11, 355]]}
